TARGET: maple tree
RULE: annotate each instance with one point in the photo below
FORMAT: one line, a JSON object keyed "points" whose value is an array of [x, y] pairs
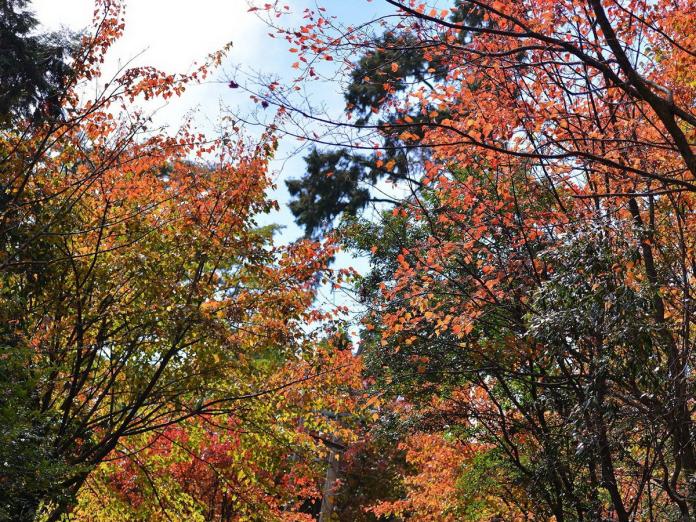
{"points": [[142, 306], [263, 461]]}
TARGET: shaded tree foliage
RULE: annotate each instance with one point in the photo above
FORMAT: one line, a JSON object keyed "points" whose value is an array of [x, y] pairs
{"points": [[394, 62], [34, 66]]}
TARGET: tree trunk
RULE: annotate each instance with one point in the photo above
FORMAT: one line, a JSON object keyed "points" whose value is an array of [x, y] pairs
{"points": [[329, 489]]}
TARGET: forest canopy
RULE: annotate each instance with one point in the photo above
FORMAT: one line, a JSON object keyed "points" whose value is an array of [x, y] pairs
{"points": [[514, 182]]}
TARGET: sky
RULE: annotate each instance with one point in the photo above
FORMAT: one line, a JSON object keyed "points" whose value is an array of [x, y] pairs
{"points": [[172, 34]]}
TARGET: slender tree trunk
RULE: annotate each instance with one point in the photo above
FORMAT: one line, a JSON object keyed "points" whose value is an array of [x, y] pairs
{"points": [[329, 489]]}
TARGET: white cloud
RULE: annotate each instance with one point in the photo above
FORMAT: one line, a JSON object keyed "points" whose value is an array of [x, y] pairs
{"points": [[173, 33], [53, 14], [170, 35]]}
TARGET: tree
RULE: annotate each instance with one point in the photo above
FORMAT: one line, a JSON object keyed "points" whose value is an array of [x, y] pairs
{"points": [[536, 285], [391, 65], [140, 299], [34, 67], [263, 461]]}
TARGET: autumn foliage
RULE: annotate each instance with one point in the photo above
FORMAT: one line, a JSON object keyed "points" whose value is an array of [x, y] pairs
{"points": [[526, 326], [158, 349], [530, 296]]}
